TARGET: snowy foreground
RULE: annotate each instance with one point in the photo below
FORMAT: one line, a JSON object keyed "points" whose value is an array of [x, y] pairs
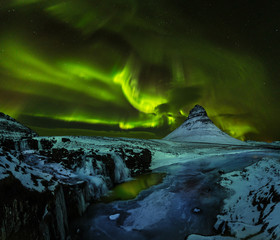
{"points": [[218, 191], [209, 189]]}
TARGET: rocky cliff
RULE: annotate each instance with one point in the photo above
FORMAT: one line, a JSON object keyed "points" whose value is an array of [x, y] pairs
{"points": [[10, 128], [46, 182]]}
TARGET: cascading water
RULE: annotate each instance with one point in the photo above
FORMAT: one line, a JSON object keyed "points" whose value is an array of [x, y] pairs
{"points": [[24, 145], [122, 173]]}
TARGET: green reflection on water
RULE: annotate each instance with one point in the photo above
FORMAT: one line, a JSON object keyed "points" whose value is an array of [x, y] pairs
{"points": [[131, 189]]}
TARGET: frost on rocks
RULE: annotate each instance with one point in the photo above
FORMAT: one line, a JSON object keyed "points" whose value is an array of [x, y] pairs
{"points": [[253, 208], [30, 177], [10, 128]]}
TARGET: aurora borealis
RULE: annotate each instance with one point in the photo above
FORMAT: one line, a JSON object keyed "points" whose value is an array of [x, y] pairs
{"points": [[135, 68]]}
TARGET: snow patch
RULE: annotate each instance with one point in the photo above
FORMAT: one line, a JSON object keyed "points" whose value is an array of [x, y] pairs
{"points": [[114, 217]]}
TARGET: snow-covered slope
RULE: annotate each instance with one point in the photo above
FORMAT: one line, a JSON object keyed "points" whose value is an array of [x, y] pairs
{"points": [[10, 128], [252, 210], [199, 128]]}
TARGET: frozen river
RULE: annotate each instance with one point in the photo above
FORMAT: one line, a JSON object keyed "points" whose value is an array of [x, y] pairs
{"points": [[186, 202]]}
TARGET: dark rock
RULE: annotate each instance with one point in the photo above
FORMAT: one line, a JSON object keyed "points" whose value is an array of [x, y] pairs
{"points": [[33, 143], [109, 164], [275, 195], [9, 144], [46, 144], [138, 163], [74, 158], [20, 216], [77, 198], [58, 154], [36, 215], [199, 114], [65, 140]]}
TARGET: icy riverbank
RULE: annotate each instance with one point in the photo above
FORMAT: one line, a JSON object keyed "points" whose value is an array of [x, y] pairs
{"points": [[186, 203]]}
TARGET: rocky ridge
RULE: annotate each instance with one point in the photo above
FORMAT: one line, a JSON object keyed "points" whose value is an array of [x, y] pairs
{"points": [[10, 128]]}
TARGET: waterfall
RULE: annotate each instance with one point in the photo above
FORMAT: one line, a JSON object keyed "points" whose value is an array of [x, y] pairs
{"points": [[122, 173], [39, 145], [97, 181], [24, 145]]}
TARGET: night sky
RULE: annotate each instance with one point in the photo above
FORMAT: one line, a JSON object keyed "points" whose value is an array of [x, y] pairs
{"points": [[134, 68]]}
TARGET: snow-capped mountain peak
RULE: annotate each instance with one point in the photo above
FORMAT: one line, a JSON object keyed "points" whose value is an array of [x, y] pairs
{"points": [[198, 127], [197, 114]]}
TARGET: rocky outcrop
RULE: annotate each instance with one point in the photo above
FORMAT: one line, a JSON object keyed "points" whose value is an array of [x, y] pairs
{"points": [[137, 162], [50, 181], [27, 214], [11, 132], [11, 129], [256, 188], [197, 114], [47, 182]]}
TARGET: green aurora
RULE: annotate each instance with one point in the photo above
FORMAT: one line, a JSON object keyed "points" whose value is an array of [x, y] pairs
{"points": [[135, 68]]}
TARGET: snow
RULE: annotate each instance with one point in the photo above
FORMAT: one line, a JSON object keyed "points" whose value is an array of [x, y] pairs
{"points": [[10, 128], [255, 202], [199, 131], [199, 128], [187, 202], [30, 177], [164, 153], [114, 216], [196, 210]]}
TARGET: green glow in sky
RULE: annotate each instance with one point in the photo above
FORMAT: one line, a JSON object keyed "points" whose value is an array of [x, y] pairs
{"points": [[130, 66]]}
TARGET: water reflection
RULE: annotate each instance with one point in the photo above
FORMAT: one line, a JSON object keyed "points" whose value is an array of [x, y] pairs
{"points": [[131, 189]]}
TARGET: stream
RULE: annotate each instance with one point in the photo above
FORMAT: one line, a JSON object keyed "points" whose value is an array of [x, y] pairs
{"points": [[185, 200]]}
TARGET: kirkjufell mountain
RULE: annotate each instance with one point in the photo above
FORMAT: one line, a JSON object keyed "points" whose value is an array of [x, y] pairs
{"points": [[198, 127]]}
